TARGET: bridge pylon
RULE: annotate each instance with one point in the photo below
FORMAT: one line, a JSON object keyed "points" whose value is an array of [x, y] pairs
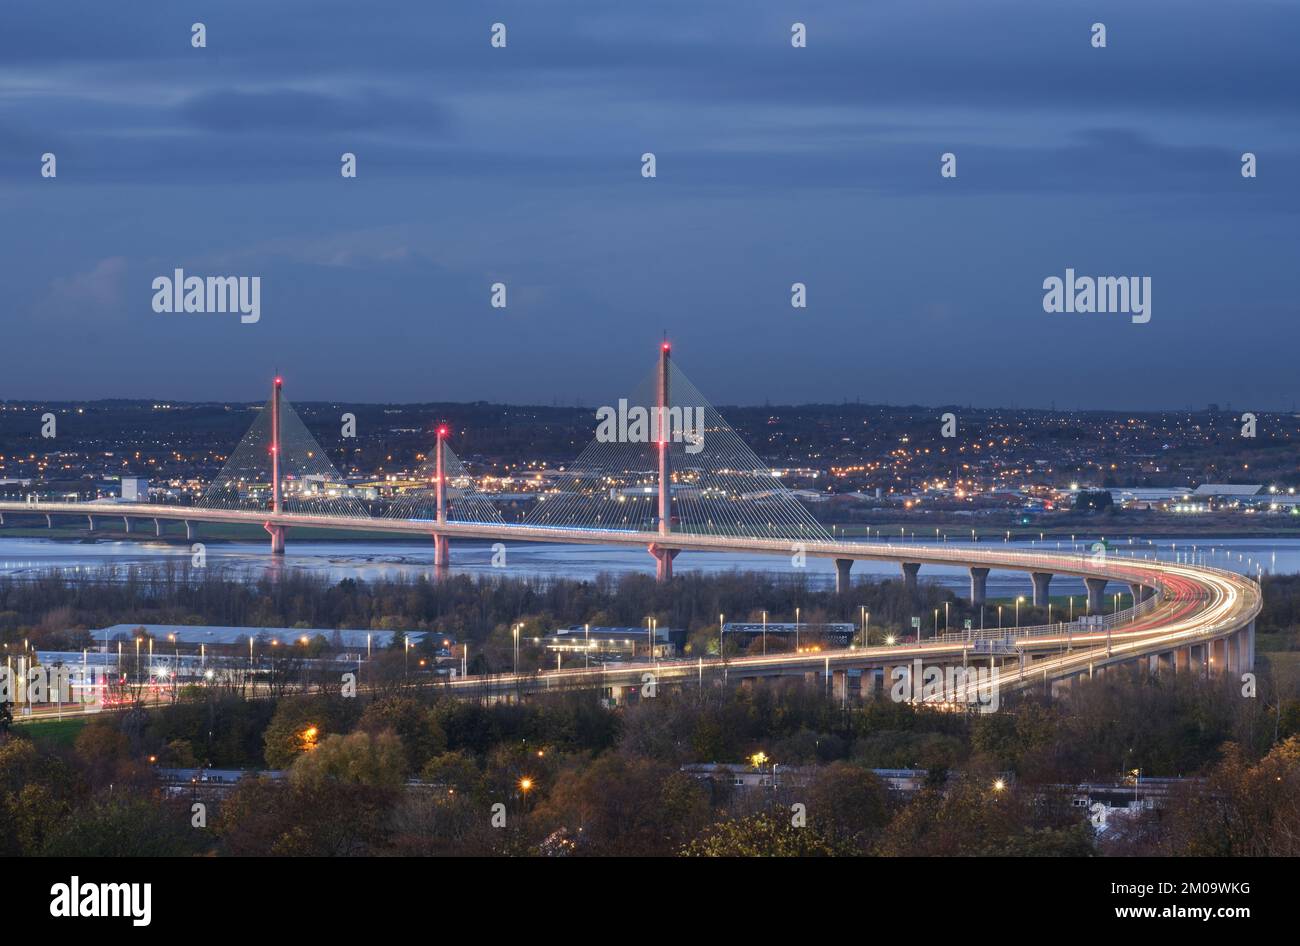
{"points": [[277, 497], [441, 544], [664, 557]]}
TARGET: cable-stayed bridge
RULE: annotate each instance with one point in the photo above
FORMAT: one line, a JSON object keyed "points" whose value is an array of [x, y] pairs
{"points": [[668, 474]]}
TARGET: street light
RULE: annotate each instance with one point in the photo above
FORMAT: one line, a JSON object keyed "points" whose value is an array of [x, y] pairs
{"points": [[764, 633], [1019, 598], [796, 630], [999, 617]]}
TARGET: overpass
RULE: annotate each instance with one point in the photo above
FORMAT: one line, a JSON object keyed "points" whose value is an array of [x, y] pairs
{"points": [[1186, 618]]}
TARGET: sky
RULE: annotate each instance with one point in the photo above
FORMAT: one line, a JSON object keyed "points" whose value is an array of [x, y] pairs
{"points": [[775, 165]]}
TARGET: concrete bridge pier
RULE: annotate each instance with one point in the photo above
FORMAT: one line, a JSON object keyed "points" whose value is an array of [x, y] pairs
{"points": [[1219, 656], [1248, 661], [842, 569], [909, 576], [1096, 590], [1041, 582], [978, 585], [277, 538], [1196, 659], [1165, 662], [1183, 660], [664, 562], [190, 530], [441, 551]]}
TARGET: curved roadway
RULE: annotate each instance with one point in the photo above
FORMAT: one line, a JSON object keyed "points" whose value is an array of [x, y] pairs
{"points": [[1195, 604]]}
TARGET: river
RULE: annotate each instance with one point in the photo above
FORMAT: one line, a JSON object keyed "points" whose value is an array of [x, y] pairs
{"points": [[372, 561]]}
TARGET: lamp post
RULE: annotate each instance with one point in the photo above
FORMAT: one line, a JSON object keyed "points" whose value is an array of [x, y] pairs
{"points": [[764, 633], [1019, 598], [796, 630]]}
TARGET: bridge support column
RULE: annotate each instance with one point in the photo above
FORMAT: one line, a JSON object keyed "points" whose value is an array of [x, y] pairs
{"points": [[190, 530], [1096, 589], [663, 562], [842, 580], [1165, 662], [978, 585], [126, 524], [277, 538], [157, 527], [1182, 660], [1222, 659], [909, 576], [1041, 582], [1248, 661], [441, 551]]}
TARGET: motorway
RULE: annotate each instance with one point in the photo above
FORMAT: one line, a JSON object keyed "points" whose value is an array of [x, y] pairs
{"points": [[1196, 609]]}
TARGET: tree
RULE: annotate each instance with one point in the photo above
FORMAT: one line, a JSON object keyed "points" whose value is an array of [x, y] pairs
{"points": [[623, 806], [848, 802], [413, 722], [301, 722], [359, 758], [766, 834]]}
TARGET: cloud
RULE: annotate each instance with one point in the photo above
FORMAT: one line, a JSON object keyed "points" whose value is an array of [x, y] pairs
{"points": [[99, 287], [294, 111]]}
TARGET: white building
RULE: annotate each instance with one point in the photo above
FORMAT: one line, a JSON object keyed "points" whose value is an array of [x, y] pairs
{"points": [[135, 489]]}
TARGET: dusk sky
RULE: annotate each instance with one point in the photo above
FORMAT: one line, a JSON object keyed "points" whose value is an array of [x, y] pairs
{"points": [[775, 165]]}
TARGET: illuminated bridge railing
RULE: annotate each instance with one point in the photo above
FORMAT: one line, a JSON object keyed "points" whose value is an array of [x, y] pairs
{"points": [[1115, 621]]}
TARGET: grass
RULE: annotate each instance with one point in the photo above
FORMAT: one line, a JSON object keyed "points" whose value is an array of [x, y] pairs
{"points": [[54, 731]]}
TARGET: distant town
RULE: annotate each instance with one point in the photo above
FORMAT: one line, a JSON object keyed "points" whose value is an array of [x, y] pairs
{"points": [[865, 469]]}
